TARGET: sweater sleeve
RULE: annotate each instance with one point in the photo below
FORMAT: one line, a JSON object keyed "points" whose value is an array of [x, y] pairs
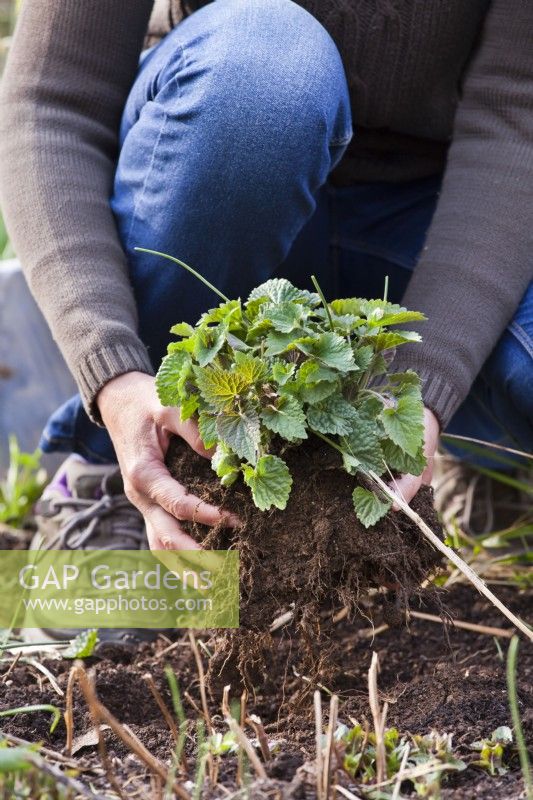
{"points": [[478, 257], [68, 74]]}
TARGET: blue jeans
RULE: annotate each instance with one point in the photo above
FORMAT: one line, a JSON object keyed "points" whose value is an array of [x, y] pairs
{"points": [[228, 137]]}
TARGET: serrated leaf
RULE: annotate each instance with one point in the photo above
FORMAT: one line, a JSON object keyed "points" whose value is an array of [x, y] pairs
{"points": [[225, 312], [284, 317], [334, 415], [399, 461], [270, 482], [286, 418], [252, 368], [182, 329], [313, 393], [401, 317], [349, 305], [368, 507], [208, 342], [363, 356], [404, 424], [278, 343], [363, 444], [330, 349], [280, 290], [207, 428], [390, 339], [219, 387], [167, 381], [82, 646], [282, 372], [242, 433], [189, 407]]}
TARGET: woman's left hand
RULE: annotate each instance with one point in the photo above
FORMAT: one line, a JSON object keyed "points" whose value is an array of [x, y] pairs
{"points": [[408, 485]]}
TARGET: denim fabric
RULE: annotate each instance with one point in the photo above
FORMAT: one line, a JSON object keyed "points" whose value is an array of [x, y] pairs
{"points": [[228, 136]]}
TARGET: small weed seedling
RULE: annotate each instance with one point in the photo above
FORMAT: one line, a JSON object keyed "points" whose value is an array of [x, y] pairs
{"points": [[285, 364], [492, 751]]}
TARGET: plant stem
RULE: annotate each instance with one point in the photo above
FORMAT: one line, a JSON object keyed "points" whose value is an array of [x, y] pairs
{"points": [[321, 295], [386, 289], [515, 716], [328, 441], [185, 266], [462, 566]]}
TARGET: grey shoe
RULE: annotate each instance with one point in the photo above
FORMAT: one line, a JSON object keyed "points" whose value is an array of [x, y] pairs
{"points": [[85, 508]]}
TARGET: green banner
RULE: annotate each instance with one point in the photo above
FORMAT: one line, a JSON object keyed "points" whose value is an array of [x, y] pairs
{"points": [[119, 589]]}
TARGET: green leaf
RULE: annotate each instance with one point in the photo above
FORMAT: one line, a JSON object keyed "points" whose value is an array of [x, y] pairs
{"points": [[282, 372], [316, 392], [270, 482], [399, 461], [363, 356], [207, 427], [278, 343], [280, 290], [82, 646], [363, 444], [208, 342], [401, 317], [368, 507], [182, 329], [390, 339], [230, 311], [225, 464], [404, 424], [285, 317], [168, 378], [286, 417], [330, 349], [219, 387], [333, 415], [242, 433], [189, 407], [252, 369]]}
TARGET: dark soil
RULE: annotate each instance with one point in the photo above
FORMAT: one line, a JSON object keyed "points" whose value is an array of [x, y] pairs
{"points": [[315, 553], [433, 677]]}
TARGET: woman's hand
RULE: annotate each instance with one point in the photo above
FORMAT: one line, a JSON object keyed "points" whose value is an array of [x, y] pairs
{"points": [[408, 485], [140, 429]]}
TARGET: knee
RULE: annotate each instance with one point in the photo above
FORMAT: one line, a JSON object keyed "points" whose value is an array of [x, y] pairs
{"points": [[267, 72]]}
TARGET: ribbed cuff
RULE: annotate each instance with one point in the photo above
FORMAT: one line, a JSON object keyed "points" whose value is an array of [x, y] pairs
{"points": [[439, 396], [100, 367]]}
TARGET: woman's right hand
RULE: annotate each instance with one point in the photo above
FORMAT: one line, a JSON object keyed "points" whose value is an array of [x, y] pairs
{"points": [[140, 429]]}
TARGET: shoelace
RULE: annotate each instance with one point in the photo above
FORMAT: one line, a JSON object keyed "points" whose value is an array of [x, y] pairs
{"points": [[126, 523]]}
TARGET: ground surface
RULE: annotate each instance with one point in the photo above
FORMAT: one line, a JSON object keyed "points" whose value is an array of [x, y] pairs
{"points": [[454, 684]]}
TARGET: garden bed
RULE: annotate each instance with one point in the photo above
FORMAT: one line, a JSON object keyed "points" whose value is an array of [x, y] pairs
{"points": [[433, 677]]}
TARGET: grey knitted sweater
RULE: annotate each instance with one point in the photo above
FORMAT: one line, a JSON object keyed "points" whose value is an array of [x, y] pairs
{"points": [[434, 84]]}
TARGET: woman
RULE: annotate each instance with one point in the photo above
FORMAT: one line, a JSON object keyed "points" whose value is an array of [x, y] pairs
{"points": [[231, 147]]}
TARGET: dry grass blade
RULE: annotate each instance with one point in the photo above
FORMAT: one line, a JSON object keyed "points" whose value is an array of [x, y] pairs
{"points": [[131, 741], [378, 718], [346, 793], [69, 711], [332, 724], [201, 677], [247, 746], [318, 741], [467, 626], [399, 776], [46, 672], [11, 667], [255, 722], [456, 560], [169, 719]]}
